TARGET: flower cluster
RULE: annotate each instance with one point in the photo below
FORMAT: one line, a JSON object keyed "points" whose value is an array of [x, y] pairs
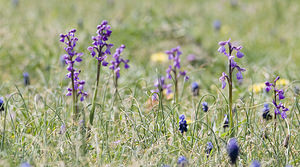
{"points": [[100, 44], [233, 64], [233, 150], [174, 54], [70, 58], [278, 93], [182, 124], [115, 64], [160, 87]]}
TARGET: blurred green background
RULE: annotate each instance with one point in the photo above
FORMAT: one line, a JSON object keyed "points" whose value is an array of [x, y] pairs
{"points": [[268, 30]]}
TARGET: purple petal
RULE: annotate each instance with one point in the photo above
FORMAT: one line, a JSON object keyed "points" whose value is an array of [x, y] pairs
{"points": [[239, 54], [104, 63], [221, 49], [126, 66], [277, 78], [239, 75], [223, 84], [283, 115], [268, 88]]}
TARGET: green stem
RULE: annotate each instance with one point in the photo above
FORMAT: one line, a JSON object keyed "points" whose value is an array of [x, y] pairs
{"points": [[92, 113], [275, 106], [75, 112], [176, 86], [162, 112], [231, 123], [4, 128]]}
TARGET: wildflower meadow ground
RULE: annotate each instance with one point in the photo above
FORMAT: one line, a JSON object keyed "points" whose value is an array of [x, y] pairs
{"points": [[149, 83]]}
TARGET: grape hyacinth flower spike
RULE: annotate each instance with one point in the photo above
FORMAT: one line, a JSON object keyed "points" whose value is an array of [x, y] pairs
{"points": [[72, 57], [205, 106], [25, 164], [255, 163], [217, 25], [278, 95], [208, 149], [233, 150], [173, 72], [115, 64], [182, 161], [232, 65], [99, 50], [1, 104], [26, 78], [182, 124], [266, 112], [195, 88]]}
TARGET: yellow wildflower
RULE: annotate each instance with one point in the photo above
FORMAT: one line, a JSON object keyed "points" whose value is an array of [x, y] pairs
{"points": [[283, 82], [168, 96], [225, 29], [159, 57], [259, 87], [188, 121]]}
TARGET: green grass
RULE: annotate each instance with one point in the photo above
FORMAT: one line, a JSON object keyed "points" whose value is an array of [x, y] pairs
{"points": [[131, 133]]}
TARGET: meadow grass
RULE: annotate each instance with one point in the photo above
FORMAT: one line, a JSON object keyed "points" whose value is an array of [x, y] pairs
{"points": [[130, 130]]}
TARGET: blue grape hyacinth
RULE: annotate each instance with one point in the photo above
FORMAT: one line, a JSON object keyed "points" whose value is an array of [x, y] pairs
{"points": [[182, 161], [195, 88], [233, 150], [255, 163], [208, 149], [1, 104], [26, 78], [182, 124], [266, 112], [205, 106]]}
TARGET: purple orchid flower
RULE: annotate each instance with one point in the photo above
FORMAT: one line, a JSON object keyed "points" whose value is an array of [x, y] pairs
{"points": [[278, 93]]}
